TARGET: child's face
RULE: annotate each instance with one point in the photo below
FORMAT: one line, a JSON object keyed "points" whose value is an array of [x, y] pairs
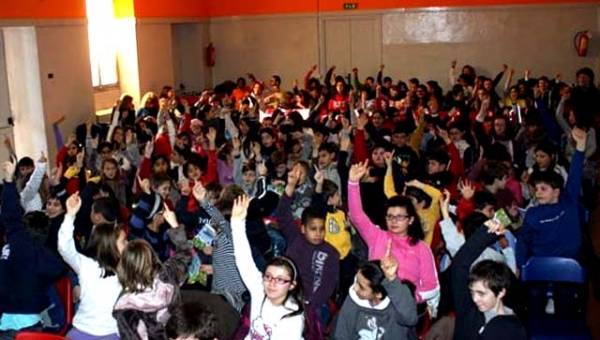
{"points": [[314, 231], [542, 159], [277, 283], [362, 287], [546, 194], [249, 177], [483, 297], [194, 172], [398, 220], [160, 166], [434, 167], [109, 170], [53, 207], [325, 158], [488, 210], [266, 139], [25, 170], [164, 190]]}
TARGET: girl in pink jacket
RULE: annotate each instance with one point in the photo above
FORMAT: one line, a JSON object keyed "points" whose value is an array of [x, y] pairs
{"points": [[416, 261]]}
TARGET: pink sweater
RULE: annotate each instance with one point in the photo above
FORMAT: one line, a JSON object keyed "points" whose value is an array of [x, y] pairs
{"points": [[416, 263]]}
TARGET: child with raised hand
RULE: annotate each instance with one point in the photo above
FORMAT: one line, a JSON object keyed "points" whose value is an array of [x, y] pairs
{"points": [[100, 286], [553, 227], [379, 306], [478, 291], [403, 227], [150, 287], [318, 261], [27, 267], [276, 310]]}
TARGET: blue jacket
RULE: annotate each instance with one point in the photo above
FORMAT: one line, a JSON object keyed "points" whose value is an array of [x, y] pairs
{"points": [[554, 229], [27, 268]]}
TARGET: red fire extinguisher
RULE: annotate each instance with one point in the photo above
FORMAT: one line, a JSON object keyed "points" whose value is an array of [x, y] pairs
{"points": [[211, 55], [582, 41]]}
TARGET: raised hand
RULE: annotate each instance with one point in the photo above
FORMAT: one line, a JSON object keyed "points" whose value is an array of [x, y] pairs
{"points": [[294, 176], [170, 217], [389, 158], [55, 175], [79, 159], [444, 135], [73, 204], [42, 158], [445, 203], [184, 187], [144, 185], [494, 227], [319, 176], [345, 142], [8, 169], [389, 264], [199, 192], [358, 170], [128, 136], [466, 189], [240, 208]]}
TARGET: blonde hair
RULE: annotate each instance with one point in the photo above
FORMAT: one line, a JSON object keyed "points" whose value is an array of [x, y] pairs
{"points": [[138, 267]]}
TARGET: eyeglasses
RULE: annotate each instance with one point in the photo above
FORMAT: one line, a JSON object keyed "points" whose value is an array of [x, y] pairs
{"points": [[278, 280], [396, 218]]}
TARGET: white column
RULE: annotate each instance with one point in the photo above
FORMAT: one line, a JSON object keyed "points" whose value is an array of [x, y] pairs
{"points": [[25, 91]]}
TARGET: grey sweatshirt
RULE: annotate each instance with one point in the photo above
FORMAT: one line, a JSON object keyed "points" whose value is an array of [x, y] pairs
{"points": [[393, 318]]}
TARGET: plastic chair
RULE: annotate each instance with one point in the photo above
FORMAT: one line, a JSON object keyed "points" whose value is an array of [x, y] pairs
{"points": [[38, 336], [65, 291], [555, 270]]}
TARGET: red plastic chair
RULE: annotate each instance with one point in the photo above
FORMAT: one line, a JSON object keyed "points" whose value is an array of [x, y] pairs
{"points": [[38, 336], [65, 291]]}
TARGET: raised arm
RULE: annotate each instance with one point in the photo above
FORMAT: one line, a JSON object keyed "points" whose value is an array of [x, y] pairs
{"points": [[284, 208], [573, 185], [367, 229], [66, 243], [251, 276], [175, 268], [35, 181]]}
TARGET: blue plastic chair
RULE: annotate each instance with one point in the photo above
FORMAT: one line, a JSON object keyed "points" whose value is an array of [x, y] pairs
{"points": [[555, 270]]}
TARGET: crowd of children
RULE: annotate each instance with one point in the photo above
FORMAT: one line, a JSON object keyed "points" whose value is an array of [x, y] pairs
{"points": [[338, 209]]}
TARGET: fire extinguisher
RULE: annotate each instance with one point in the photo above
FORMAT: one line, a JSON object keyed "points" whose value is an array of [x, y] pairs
{"points": [[211, 55], [582, 41]]}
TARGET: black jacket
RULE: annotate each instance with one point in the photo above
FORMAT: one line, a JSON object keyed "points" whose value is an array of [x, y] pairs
{"points": [[27, 268], [469, 320]]}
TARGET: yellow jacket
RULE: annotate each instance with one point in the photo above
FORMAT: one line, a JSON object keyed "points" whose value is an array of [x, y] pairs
{"points": [[336, 232]]}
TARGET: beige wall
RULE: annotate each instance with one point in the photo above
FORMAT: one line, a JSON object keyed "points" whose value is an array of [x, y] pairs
{"points": [[284, 45], [411, 43], [63, 51], [189, 46], [155, 56]]}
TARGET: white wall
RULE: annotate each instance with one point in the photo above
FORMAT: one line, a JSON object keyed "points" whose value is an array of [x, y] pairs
{"points": [[411, 43], [63, 51], [22, 68], [189, 57]]}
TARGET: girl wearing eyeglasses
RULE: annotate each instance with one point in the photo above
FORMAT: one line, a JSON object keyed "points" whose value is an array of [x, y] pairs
{"points": [[276, 310], [403, 228]]}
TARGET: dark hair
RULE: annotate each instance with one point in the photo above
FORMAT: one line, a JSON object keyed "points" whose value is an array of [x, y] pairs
{"points": [[329, 189], [493, 171], [25, 161], [415, 231], [196, 160], [38, 226], [495, 275], [547, 147], [312, 212], [419, 195], [483, 198], [107, 207], [329, 147], [586, 71], [102, 247], [192, 319], [104, 145], [138, 266], [549, 177], [296, 292], [439, 156], [372, 272]]}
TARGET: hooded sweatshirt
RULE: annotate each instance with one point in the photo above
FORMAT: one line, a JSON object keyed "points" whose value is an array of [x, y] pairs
{"points": [[392, 318]]}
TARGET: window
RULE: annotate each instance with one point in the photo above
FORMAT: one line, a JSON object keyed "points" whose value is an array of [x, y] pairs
{"points": [[103, 44]]}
